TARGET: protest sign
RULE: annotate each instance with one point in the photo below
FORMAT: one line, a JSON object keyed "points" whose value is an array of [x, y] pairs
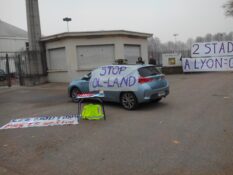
{"points": [[216, 49], [41, 121], [207, 64], [114, 78]]}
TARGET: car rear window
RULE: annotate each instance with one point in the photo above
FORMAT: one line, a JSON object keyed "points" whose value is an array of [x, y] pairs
{"points": [[148, 71]]}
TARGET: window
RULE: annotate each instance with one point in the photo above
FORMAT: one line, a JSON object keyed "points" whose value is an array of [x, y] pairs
{"points": [[148, 71]]}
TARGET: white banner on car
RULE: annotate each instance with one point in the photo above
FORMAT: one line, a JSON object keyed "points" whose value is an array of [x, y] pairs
{"points": [[208, 49], [114, 78], [41, 121], [207, 64]]}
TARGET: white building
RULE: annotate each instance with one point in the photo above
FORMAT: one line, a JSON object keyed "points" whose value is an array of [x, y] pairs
{"points": [[171, 59], [12, 39], [71, 55]]}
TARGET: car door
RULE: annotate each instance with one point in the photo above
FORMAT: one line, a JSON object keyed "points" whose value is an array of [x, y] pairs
{"points": [[112, 96]]}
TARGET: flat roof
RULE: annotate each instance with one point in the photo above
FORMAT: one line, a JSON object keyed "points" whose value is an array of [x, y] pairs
{"points": [[96, 34]]}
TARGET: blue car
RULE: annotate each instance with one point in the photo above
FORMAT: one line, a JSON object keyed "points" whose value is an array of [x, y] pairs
{"points": [[152, 86]]}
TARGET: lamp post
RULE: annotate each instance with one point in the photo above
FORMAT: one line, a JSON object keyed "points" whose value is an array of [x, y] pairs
{"points": [[175, 35], [67, 20]]}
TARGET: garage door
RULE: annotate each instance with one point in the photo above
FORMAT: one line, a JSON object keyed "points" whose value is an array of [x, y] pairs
{"points": [[57, 59], [132, 52], [90, 57]]}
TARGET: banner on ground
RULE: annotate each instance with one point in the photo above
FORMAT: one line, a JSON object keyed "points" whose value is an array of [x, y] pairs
{"points": [[214, 49], [41, 121], [114, 78], [207, 64], [90, 95]]}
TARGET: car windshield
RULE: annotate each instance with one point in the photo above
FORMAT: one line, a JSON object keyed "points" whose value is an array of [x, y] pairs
{"points": [[148, 71]]}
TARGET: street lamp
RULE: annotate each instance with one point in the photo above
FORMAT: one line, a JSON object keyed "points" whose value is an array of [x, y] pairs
{"points": [[67, 20], [175, 35]]}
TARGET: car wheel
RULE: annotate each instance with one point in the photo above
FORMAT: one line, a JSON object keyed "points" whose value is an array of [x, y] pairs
{"points": [[128, 100], [74, 93]]}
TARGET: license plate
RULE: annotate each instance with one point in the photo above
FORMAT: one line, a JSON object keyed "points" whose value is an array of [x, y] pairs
{"points": [[161, 93]]}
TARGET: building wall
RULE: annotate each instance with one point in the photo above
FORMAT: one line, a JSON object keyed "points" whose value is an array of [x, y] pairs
{"points": [[73, 72], [8, 44], [171, 59]]}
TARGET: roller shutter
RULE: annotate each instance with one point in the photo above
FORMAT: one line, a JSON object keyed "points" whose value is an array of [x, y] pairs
{"points": [[132, 52], [92, 56]]}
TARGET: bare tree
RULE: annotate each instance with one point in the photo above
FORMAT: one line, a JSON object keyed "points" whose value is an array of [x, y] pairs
{"points": [[189, 43], [154, 50], [208, 37], [154, 46], [169, 46], [151, 47], [218, 37], [229, 36], [228, 6], [199, 39]]}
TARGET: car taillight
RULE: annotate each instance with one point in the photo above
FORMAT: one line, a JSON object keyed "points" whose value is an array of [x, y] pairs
{"points": [[142, 80]]}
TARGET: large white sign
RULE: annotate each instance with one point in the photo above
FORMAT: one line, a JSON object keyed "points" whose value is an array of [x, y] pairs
{"points": [[207, 64], [224, 48], [41, 121], [114, 78]]}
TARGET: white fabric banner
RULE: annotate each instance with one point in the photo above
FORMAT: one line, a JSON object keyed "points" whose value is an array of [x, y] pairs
{"points": [[41, 121], [114, 78], [214, 49], [207, 64]]}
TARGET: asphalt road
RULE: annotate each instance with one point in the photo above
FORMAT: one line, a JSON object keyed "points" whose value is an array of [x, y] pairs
{"points": [[189, 132]]}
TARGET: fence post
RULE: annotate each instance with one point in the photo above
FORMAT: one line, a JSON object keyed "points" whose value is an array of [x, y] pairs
{"points": [[20, 71], [8, 71]]}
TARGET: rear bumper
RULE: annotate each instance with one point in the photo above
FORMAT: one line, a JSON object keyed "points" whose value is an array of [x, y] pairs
{"points": [[149, 95]]}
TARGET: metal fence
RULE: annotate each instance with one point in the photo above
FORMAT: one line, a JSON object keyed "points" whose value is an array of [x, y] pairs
{"points": [[15, 67]]}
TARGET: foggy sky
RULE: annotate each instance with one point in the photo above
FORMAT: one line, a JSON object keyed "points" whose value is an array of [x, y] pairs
{"points": [[163, 18]]}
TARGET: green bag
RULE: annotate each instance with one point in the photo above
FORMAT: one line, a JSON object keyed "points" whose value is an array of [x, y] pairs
{"points": [[92, 112]]}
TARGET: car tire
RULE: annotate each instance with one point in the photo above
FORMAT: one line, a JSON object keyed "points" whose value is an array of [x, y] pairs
{"points": [[128, 100], [74, 93]]}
